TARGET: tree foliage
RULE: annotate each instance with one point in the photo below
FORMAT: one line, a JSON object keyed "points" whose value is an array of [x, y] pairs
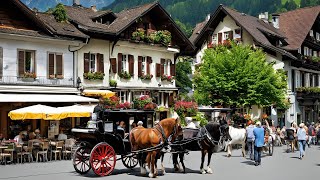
{"points": [[238, 76], [183, 70], [60, 13]]}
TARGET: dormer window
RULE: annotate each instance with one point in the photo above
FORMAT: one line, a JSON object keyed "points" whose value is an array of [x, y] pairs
{"points": [[107, 18], [311, 33]]}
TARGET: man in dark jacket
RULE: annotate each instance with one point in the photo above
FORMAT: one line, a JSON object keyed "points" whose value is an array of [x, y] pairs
{"points": [[98, 109]]}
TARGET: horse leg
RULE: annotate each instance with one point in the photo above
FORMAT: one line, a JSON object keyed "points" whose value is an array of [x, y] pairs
{"points": [[153, 156], [243, 149], [181, 157], [143, 160], [203, 155], [175, 162], [162, 166], [209, 170], [156, 163], [229, 147]]}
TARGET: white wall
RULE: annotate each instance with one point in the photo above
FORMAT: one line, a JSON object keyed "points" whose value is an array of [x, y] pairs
{"points": [[11, 44], [141, 49], [94, 46]]}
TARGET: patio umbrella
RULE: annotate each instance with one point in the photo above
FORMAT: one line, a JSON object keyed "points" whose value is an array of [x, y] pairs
{"points": [[98, 93], [32, 112], [74, 111]]}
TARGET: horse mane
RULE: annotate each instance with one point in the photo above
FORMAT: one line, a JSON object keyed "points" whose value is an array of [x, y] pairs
{"points": [[213, 129]]}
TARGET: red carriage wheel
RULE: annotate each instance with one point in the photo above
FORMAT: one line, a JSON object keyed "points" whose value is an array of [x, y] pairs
{"points": [[81, 160], [103, 159]]}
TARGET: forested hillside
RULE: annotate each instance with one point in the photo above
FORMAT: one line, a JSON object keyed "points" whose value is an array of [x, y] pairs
{"points": [[189, 12]]}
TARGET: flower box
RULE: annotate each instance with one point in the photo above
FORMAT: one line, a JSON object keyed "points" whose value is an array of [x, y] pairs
{"points": [[28, 79], [144, 102], [93, 76], [167, 78], [125, 75], [146, 77]]}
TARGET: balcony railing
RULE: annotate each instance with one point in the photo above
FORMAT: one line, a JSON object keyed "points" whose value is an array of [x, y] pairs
{"points": [[38, 81]]}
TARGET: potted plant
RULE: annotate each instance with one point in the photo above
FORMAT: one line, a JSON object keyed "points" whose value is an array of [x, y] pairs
{"points": [[166, 77], [93, 76], [200, 119], [185, 109], [113, 83], [112, 102], [147, 77], [29, 76], [125, 105], [125, 75], [144, 102], [139, 34]]}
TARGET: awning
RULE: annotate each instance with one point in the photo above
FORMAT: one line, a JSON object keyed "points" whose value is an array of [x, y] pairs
{"points": [[98, 93], [76, 111], [31, 112], [40, 98]]}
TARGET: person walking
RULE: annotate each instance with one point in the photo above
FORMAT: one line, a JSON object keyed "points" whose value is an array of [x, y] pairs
{"points": [[312, 134], [250, 139], [258, 132], [302, 137]]}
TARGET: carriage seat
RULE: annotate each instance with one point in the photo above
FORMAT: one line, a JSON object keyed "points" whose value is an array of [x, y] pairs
{"points": [[190, 133]]}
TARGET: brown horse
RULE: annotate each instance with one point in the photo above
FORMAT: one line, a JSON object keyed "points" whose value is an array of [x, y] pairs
{"points": [[143, 138]]}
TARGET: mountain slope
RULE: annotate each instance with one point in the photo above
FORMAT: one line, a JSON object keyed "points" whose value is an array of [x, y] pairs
{"points": [[44, 5]]}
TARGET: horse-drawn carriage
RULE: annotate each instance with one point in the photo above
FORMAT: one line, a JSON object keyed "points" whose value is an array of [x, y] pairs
{"points": [[98, 147]]}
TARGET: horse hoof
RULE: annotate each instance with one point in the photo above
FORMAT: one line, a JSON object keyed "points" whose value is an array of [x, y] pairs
{"points": [[209, 170], [143, 171], [203, 171], [163, 172], [151, 175], [229, 155]]}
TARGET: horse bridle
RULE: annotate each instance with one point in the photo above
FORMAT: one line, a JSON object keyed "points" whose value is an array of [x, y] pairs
{"points": [[160, 129]]}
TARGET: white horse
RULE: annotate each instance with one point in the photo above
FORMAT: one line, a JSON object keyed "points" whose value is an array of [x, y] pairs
{"points": [[238, 136]]}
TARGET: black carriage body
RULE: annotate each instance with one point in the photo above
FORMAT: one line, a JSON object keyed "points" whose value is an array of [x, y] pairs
{"points": [[106, 130]]}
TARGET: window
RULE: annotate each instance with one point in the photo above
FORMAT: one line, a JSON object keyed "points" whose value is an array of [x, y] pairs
{"points": [[124, 61], [26, 60], [299, 50], [317, 36], [315, 53], [305, 51], [226, 35], [123, 96], [310, 52], [144, 65], [165, 67], [55, 65], [214, 39], [311, 33], [92, 64]]}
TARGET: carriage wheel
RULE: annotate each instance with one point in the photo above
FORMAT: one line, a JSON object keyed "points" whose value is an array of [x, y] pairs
{"points": [[129, 161], [103, 159], [81, 160], [271, 146]]}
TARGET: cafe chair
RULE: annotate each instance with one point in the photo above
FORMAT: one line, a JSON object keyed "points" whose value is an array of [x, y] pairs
{"points": [[67, 148], [4, 156], [58, 149], [43, 151], [10, 150]]}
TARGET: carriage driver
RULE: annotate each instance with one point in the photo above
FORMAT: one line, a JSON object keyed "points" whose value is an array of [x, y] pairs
{"points": [[97, 109]]}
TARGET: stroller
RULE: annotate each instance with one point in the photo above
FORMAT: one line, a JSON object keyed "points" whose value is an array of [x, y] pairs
{"points": [[290, 140]]}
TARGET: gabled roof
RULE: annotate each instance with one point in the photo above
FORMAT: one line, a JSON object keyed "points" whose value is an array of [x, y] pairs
{"points": [[257, 28], [296, 25], [196, 31], [60, 28]]}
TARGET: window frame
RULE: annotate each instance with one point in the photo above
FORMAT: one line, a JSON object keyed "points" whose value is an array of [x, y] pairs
{"points": [[305, 51], [54, 62], [33, 60], [226, 35], [124, 63], [144, 65]]}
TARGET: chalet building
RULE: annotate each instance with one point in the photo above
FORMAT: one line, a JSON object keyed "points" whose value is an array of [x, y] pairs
{"points": [[122, 54], [290, 40], [37, 64]]}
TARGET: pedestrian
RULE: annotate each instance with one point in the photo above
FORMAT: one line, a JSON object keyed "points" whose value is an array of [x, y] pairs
{"points": [[258, 132], [312, 134], [250, 139], [302, 137]]}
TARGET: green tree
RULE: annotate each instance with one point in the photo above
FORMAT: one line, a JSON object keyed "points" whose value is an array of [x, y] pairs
{"points": [[60, 13], [239, 75], [183, 70]]}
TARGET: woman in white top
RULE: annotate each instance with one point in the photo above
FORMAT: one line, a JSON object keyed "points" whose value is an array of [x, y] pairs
{"points": [[302, 137], [19, 138]]}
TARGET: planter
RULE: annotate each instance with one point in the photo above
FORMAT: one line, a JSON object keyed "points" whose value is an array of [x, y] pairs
{"points": [[27, 79]]}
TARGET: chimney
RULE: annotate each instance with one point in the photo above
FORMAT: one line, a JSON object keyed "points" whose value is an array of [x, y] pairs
{"points": [[264, 16], [76, 2], [208, 17], [275, 20], [94, 8]]}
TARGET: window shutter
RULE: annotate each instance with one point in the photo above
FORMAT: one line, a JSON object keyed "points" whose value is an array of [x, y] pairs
{"points": [[149, 61], [51, 65], [210, 39], [219, 38], [59, 65], [21, 63], [172, 69], [1, 62], [162, 66], [139, 66], [119, 62], [131, 64], [158, 69], [86, 62], [171, 100], [100, 63], [231, 35], [113, 62]]}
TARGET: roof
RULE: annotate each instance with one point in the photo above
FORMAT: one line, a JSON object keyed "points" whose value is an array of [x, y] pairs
{"points": [[83, 16], [60, 28], [296, 25], [256, 27], [196, 31], [5, 98]]}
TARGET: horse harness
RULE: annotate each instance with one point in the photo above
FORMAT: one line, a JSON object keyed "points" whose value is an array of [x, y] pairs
{"points": [[164, 138]]}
